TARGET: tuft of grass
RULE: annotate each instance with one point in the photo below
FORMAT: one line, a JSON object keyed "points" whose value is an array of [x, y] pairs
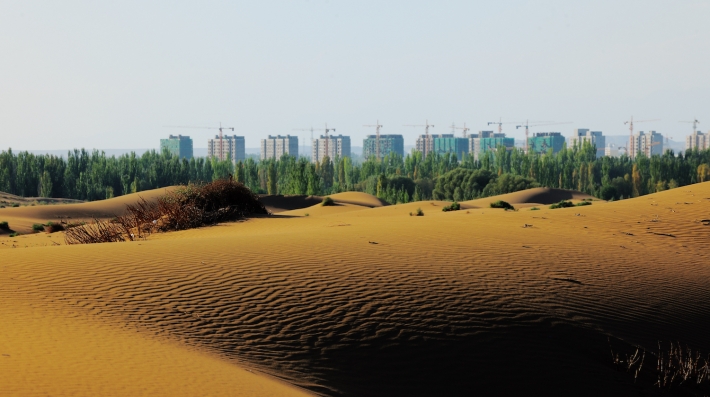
{"points": [[502, 204], [583, 203], [37, 227], [420, 212], [14, 234], [534, 209], [306, 214], [453, 207], [4, 225], [327, 201], [15, 205], [51, 227], [562, 204]]}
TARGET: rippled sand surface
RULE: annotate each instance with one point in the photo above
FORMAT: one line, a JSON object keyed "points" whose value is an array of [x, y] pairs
{"points": [[353, 300]]}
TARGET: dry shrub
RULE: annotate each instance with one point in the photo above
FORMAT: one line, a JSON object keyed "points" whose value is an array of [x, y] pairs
{"points": [[94, 232], [186, 207]]}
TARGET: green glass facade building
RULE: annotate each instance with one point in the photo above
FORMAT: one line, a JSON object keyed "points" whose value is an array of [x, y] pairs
{"points": [[178, 145], [390, 143], [458, 146], [542, 142]]}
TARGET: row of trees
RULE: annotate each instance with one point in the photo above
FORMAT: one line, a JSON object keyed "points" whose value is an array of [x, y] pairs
{"points": [[93, 175]]}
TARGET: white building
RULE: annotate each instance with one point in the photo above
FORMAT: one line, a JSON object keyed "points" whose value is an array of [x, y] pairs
{"points": [[596, 138], [276, 146], [232, 147], [338, 146], [647, 143], [698, 141]]}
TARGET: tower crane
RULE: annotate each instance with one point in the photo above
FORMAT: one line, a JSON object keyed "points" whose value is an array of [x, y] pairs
{"points": [[464, 128], [326, 129], [527, 126], [695, 124], [500, 124], [631, 134], [426, 126], [220, 128], [377, 126]]}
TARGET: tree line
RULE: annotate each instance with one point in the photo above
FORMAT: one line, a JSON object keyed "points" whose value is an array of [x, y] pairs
{"points": [[92, 175]]}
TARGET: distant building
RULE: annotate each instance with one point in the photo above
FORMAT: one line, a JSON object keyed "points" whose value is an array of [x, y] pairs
{"points": [[391, 143], [425, 143], [274, 147], [232, 147], [180, 145], [697, 141], [611, 151], [484, 141], [338, 146], [451, 144], [542, 142], [647, 143], [595, 138]]}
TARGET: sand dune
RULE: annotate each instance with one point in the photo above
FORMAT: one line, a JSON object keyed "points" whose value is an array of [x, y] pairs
{"points": [[21, 219], [540, 195], [372, 301]]}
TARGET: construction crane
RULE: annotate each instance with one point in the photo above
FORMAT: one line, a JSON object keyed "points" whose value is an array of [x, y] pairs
{"points": [[631, 134], [464, 128], [220, 128], [527, 126], [377, 132], [305, 129], [500, 124], [426, 126], [326, 129], [695, 124]]}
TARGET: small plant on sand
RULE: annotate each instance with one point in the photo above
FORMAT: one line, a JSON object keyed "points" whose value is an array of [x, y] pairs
{"points": [[4, 225], [37, 227], [562, 204], [502, 204], [51, 227], [534, 209], [327, 201], [583, 203], [453, 207], [306, 214], [15, 234], [420, 212], [15, 205]]}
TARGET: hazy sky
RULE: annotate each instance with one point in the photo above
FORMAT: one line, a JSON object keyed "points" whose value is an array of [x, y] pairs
{"points": [[112, 74]]}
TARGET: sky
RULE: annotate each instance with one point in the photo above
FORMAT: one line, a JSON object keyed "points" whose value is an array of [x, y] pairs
{"points": [[111, 75]]}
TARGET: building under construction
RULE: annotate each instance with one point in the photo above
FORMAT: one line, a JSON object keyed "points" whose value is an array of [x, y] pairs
{"points": [[233, 147], [484, 141], [178, 145], [425, 142], [337, 146], [697, 141], [274, 147], [390, 143], [451, 144], [543, 142], [647, 143]]}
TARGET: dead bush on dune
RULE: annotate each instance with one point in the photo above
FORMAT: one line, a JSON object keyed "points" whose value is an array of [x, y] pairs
{"points": [[95, 232], [186, 207]]}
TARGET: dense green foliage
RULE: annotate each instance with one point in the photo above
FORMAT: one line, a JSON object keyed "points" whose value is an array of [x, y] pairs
{"points": [[327, 201], [396, 179], [452, 207], [502, 204], [562, 204]]}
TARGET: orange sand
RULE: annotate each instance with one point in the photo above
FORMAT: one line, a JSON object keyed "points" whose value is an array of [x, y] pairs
{"points": [[353, 300]]}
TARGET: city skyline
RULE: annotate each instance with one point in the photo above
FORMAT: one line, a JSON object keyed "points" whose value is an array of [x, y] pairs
{"points": [[112, 75]]}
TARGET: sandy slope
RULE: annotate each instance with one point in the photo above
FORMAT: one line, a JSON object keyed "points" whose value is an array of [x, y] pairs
{"points": [[540, 195], [371, 301]]}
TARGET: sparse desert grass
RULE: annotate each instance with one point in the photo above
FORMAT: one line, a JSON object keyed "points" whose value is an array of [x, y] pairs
{"points": [[502, 204], [562, 204], [453, 207], [187, 207], [327, 201], [37, 227], [534, 209], [419, 212], [4, 225], [53, 227], [583, 203]]}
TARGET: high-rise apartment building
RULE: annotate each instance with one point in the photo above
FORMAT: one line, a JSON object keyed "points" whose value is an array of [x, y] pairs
{"points": [[425, 143], [391, 143], [338, 146], [232, 147], [274, 147], [178, 145], [542, 142], [697, 141], [595, 138], [484, 141], [458, 146], [647, 143]]}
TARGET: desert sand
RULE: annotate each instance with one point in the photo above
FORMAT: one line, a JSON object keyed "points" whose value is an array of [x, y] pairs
{"points": [[361, 299]]}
